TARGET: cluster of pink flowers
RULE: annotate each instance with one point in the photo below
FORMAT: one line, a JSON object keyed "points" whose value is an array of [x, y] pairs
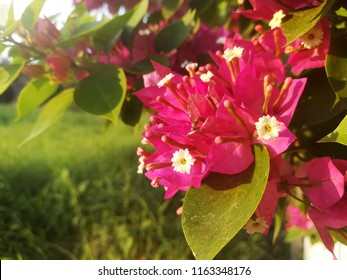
{"points": [[209, 119]]}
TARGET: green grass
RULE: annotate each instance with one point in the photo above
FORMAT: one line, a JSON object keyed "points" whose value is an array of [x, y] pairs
{"points": [[73, 193]]}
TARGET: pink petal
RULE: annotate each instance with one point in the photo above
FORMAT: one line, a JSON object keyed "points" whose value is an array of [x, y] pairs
{"points": [[268, 204], [329, 182], [328, 241], [230, 158]]}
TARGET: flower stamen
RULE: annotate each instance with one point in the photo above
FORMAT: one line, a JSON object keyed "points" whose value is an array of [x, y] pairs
{"points": [[164, 81]]}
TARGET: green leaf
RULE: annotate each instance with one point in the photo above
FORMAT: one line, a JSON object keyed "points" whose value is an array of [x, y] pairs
{"points": [[139, 11], [113, 116], [211, 217], [340, 235], [78, 26], [317, 94], [173, 35], [293, 233], [10, 15], [8, 74], [214, 13], [339, 135], [336, 69], [52, 112], [82, 31], [33, 95], [200, 6], [107, 35], [2, 48], [131, 110], [10, 29], [278, 219], [102, 92], [342, 12], [170, 7], [328, 149], [31, 14], [298, 23]]}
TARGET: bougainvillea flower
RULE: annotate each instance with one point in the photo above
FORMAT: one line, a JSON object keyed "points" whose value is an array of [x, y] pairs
{"points": [[323, 182], [280, 169], [326, 182], [267, 206], [230, 150], [296, 218], [195, 48], [218, 113], [310, 50], [264, 9], [331, 217], [177, 169], [60, 65], [33, 71], [119, 55], [45, 34], [272, 108]]}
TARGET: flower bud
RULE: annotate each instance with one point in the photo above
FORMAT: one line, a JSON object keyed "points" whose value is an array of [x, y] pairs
{"points": [[45, 34], [33, 71], [60, 65]]}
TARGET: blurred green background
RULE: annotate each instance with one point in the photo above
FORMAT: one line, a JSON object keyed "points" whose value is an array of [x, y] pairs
{"points": [[73, 193]]}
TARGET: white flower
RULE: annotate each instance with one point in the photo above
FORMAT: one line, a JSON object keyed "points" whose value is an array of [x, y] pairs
{"points": [[182, 161], [142, 165], [144, 32], [164, 80], [312, 38], [221, 40], [191, 66], [206, 77], [230, 54], [257, 225], [268, 128], [185, 63], [277, 19]]}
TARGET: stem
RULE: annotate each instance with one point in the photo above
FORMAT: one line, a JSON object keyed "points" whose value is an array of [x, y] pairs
{"points": [[285, 185], [297, 198], [40, 53]]}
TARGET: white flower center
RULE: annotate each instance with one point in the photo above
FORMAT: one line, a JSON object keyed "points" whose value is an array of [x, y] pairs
{"points": [[277, 19], [268, 128], [164, 80], [182, 161], [206, 77], [230, 54], [312, 38]]}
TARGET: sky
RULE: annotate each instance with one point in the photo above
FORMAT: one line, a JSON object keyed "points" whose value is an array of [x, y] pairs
{"points": [[51, 7]]}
